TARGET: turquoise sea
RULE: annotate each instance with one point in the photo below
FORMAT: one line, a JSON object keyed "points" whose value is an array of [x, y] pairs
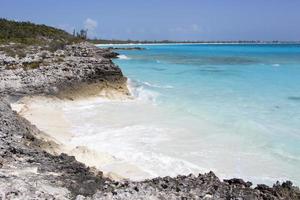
{"points": [[233, 109]]}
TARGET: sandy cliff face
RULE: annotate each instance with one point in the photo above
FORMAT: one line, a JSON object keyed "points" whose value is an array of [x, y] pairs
{"points": [[27, 171]]}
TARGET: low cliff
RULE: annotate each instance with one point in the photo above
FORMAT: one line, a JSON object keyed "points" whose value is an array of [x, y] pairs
{"points": [[44, 72]]}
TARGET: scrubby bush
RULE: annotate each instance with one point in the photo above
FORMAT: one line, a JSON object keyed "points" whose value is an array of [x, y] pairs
{"points": [[14, 50], [32, 34], [56, 45]]}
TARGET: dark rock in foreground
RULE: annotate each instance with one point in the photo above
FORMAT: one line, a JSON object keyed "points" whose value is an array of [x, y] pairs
{"points": [[27, 171], [203, 186]]}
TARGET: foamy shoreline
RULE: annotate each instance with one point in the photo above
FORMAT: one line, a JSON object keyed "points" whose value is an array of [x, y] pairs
{"points": [[47, 114]]}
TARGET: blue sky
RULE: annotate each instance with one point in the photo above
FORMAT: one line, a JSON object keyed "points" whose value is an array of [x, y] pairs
{"points": [[165, 19]]}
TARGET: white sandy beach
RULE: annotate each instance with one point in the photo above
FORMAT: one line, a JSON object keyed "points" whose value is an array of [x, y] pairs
{"points": [[47, 114]]}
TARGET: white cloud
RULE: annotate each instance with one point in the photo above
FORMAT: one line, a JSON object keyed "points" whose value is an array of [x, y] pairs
{"points": [[90, 24]]}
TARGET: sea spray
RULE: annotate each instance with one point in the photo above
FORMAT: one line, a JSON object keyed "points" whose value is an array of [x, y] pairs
{"points": [[123, 57]]}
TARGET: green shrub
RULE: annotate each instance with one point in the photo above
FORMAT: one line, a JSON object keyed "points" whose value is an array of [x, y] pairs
{"points": [[32, 34], [14, 50]]}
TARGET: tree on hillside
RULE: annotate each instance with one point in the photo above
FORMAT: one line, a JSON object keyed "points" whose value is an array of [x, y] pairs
{"points": [[82, 34]]}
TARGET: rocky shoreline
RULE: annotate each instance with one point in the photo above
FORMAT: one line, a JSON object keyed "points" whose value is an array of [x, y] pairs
{"points": [[28, 171]]}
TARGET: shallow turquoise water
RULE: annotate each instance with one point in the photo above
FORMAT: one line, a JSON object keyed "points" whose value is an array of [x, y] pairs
{"points": [[234, 109]]}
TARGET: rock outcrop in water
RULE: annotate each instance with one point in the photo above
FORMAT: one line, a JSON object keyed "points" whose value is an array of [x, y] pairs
{"points": [[27, 171]]}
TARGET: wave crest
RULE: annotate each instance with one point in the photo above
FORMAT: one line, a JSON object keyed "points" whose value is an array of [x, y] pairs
{"points": [[138, 91], [158, 86], [123, 57]]}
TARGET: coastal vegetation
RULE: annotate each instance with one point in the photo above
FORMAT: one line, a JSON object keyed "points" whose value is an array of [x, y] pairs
{"points": [[31, 34], [16, 37]]}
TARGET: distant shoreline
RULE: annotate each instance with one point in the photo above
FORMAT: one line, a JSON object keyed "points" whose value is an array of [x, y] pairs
{"points": [[200, 43]]}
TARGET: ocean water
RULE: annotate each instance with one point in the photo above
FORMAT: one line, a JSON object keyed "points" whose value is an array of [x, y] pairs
{"points": [[232, 109]]}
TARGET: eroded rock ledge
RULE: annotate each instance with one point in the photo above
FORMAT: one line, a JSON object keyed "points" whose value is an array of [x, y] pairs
{"points": [[49, 73], [29, 172]]}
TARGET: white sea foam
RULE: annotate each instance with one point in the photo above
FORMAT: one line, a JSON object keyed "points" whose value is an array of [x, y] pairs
{"points": [[157, 86], [136, 146], [142, 138], [139, 134], [124, 57], [140, 93], [276, 65]]}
